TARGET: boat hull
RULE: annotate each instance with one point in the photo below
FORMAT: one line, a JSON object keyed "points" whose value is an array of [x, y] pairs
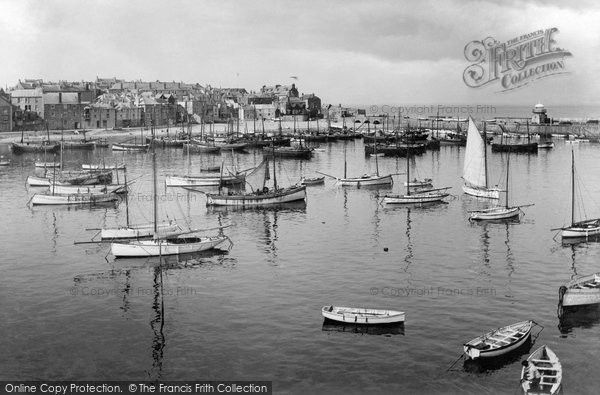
{"points": [[580, 231], [72, 199], [494, 344], [367, 181], [582, 291], [350, 315], [136, 231], [146, 248], [130, 147], [550, 370], [21, 148], [416, 198], [489, 193], [203, 181], [285, 195], [524, 148], [103, 167], [86, 189], [495, 213]]}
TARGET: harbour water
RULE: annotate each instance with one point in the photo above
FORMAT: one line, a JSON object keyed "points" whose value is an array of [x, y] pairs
{"points": [[73, 312]]}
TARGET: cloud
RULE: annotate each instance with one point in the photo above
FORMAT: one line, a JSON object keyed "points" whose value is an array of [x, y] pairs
{"points": [[345, 51]]}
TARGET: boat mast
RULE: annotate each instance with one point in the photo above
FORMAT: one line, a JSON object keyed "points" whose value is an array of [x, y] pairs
{"points": [[572, 188], [154, 181], [408, 169], [507, 170], [127, 192], [274, 170], [528, 135], [345, 161], [485, 154]]}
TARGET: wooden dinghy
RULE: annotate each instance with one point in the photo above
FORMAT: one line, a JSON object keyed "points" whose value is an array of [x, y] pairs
{"points": [[46, 164], [129, 147], [312, 181], [547, 363], [353, 315], [102, 166], [72, 199], [367, 180], [581, 291], [499, 341], [414, 183]]}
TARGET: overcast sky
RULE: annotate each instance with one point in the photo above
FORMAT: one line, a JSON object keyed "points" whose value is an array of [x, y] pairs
{"points": [[349, 52]]}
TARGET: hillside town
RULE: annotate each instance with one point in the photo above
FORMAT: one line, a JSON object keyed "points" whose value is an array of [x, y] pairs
{"points": [[112, 103]]}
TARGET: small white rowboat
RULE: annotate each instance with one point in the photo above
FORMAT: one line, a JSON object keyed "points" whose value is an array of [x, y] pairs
{"points": [[353, 315], [550, 369], [499, 341], [581, 291]]}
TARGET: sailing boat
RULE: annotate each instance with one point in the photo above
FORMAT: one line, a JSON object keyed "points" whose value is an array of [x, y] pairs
{"points": [[583, 228], [365, 179], [498, 212], [475, 166], [165, 243], [418, 196], [130, 231], [518, 147], [260, 197]]}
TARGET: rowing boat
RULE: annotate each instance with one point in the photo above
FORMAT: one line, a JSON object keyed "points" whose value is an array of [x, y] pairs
{"points": [[499, 341], [353, 315], [312, 181], [581, 291], [547, 363]]}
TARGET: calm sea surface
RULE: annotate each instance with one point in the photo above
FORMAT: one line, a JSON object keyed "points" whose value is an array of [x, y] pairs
{"points": [[73, 312]]}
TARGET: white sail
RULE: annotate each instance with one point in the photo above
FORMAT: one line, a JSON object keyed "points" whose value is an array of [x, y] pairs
{"points": [[474, 166]]}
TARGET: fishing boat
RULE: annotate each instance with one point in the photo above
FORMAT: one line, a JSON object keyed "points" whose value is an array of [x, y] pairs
{"points": [[165, 243], [365, 179], [504, 146], [261, 196], [353, 315], [582, 228], [475, 172], [22, 148], [581, 291], [103, 166], [92, 189], [71, 178], [312, 181], [498, 212], [419, 196], [202, 147], [204, 180], [289, 152], [72, 199], [547, 363], [499, 341], [130, 147]]}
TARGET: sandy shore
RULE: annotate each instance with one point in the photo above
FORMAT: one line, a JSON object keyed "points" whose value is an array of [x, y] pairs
{"points": [[136, 133]]}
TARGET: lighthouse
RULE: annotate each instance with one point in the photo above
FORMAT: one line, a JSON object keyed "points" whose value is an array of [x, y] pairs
{"points": [[539, 114]]}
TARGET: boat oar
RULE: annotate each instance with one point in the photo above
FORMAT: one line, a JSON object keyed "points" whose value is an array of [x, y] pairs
{"points": [[459, 358], [335, 178]]}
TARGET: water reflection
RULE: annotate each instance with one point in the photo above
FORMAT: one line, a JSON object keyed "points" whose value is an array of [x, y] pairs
{"points": [[572, 317], [397, 329]]}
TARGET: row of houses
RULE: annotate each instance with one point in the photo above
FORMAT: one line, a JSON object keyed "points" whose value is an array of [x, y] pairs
{"points": [[114, 103]]}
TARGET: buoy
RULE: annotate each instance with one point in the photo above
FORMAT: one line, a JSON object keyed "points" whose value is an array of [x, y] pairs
{"points": [[385, 249]]}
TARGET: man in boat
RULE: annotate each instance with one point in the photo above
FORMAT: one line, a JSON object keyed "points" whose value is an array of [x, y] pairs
{"points": [[532, 375]]}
